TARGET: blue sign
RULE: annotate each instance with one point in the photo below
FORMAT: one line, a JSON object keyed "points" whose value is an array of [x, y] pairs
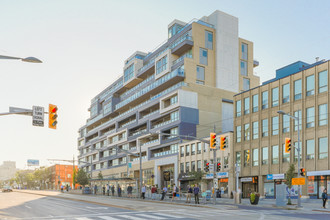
{"points": [[209, 176], [32, 162], [129, 165], [269, 176]]}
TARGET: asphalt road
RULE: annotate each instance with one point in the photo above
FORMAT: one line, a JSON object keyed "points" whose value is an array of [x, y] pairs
{"points": [[18, 205]]}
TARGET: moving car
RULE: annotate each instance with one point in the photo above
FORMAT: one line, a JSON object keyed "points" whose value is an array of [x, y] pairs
{"points": [[7, 189]]}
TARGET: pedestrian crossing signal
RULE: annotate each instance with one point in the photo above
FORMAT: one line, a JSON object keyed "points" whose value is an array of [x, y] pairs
{"points": [[213, 141], [52, 116]]}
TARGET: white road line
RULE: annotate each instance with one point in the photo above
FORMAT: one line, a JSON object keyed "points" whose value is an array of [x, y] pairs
{"points": [[148, 216], [131, 217], [28, 207], [83, 218], [168, 216], [106, 218]]}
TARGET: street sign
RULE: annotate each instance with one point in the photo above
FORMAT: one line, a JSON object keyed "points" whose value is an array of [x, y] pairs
{"points": [[38, 116], [215, 182], [298, 181], [211, 167], [31, 162]]}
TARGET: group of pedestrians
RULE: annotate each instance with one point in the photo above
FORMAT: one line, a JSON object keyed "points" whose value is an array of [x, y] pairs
{"points": [[193, 191], [106, 189]]}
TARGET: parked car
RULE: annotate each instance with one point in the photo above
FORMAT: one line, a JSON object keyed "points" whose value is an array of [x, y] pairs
{"points": [[7, 189]]}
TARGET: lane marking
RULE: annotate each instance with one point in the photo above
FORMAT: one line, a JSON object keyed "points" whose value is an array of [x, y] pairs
{"points": [[131, 217], [28, 207], [83, 218], [168, 216], [88, 207], [107, 218], [148, 216]]}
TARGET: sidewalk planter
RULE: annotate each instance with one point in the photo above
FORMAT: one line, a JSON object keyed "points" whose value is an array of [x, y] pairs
{"points": [[254, 198]]}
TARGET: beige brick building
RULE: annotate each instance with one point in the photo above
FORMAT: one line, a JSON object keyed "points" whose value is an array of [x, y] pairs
{"points": [[260, 131]]}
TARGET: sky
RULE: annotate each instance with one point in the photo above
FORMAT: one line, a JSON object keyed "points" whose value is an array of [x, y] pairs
{"points": [[83, 45]]}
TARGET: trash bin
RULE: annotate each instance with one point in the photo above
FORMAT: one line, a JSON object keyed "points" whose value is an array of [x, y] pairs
{"points": [[208, 195]]}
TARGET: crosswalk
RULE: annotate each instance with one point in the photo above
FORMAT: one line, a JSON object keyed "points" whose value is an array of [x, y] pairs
{"points": [[178, 214]]}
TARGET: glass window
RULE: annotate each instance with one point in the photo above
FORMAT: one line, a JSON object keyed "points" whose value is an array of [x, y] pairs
{"points": [[187, 167], [286, 124], [255, 157], [238, 108], [275, 97], [202, 56], [296, 151], [310, 84], [275, 125], [187, 150], [275, 154], [199, 165], [246, 84], [323, 81], [265, 127], [238, 134], [161, 65], [193, 149], [255, 134], [238, 158], [323, 147], [297, 114], [209, 40], [310, 149], [264, 99], [297, 89], [323, 114], [247, 132], [285, 156], [286, 93], [193, 166], [243, 68], [255, 103], [264, 155], [182, 151], [206, 146], [247, 105], [247, 158], [200, 77], [310, 117], [244, 51], [129, 73], [199, 148], [225, 162]]}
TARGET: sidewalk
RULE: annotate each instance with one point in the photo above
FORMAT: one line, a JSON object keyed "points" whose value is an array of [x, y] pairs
{"points": [[309, 205]]}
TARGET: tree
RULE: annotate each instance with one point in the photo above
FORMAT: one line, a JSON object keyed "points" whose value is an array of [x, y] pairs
{"points": [[100, 176], [289, 175], [197, 176], [82, 178]]}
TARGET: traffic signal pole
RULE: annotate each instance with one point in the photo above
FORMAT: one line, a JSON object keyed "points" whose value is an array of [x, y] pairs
{"points": [[214, 171]]}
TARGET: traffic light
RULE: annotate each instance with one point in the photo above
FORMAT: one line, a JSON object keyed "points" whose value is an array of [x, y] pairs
{"points": [[52, 116], [218, 167], [223, 142], [287, 145], [207, 167], [213, 141], [302, 172]]}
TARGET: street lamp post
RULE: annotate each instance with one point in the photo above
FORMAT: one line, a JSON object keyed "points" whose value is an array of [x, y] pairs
{"points": [[27, 59], [298, 149]]}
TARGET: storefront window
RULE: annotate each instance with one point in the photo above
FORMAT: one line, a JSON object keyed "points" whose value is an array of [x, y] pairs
{"points": [[147, 177], [269, 189], [322, 185], [224, 185], [312, 186]]}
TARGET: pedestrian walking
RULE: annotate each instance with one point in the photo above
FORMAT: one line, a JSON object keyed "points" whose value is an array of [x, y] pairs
{"points": [[143, 191], [62, 188], [174, 192], [108, 189], [103, 189], [196, 192], [67, 187], [129, 191], [113, 190], [189, 193], [95, 189], [164, 193], [324, 197], [153, 192], [119, 191]]}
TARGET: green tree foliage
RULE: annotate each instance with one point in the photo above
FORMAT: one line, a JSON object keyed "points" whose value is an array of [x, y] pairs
{"points": [[197, 176], [288, 177], [100, 176], [82, 178]]}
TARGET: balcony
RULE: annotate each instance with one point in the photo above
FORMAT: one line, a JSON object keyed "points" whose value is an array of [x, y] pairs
{"points": [[138, 132], [178, 62], [151, 113], [147, 69], [182, 45], [128, 123], [150, 142]]}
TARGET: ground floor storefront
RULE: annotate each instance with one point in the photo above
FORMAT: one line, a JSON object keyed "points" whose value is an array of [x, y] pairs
{"points": [[316, 182]]}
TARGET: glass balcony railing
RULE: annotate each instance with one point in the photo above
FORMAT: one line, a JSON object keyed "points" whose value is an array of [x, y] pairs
{"points": [[180, 40], [138, 158], [150, 142], [109, 132], [138, 132], [150, 63], [151, 113], [137, 86], [128, 123], [165, 123], [187, 55], [160, 154]]}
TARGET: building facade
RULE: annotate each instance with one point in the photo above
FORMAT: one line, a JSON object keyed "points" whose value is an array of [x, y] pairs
{"points": [[61, 175], [183, 87], [194, 155], [260, 131], [7, 170]]}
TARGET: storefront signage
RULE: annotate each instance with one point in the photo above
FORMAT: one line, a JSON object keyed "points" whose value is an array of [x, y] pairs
{"points": [[275, 176], [319, 173], [298, 181], [246, 179], [209, 176], [222, 175]]}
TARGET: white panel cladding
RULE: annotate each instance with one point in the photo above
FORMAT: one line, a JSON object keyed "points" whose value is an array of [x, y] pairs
{"points": [[166, 161], [227, 50], [185, 99], [227, 117]]}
